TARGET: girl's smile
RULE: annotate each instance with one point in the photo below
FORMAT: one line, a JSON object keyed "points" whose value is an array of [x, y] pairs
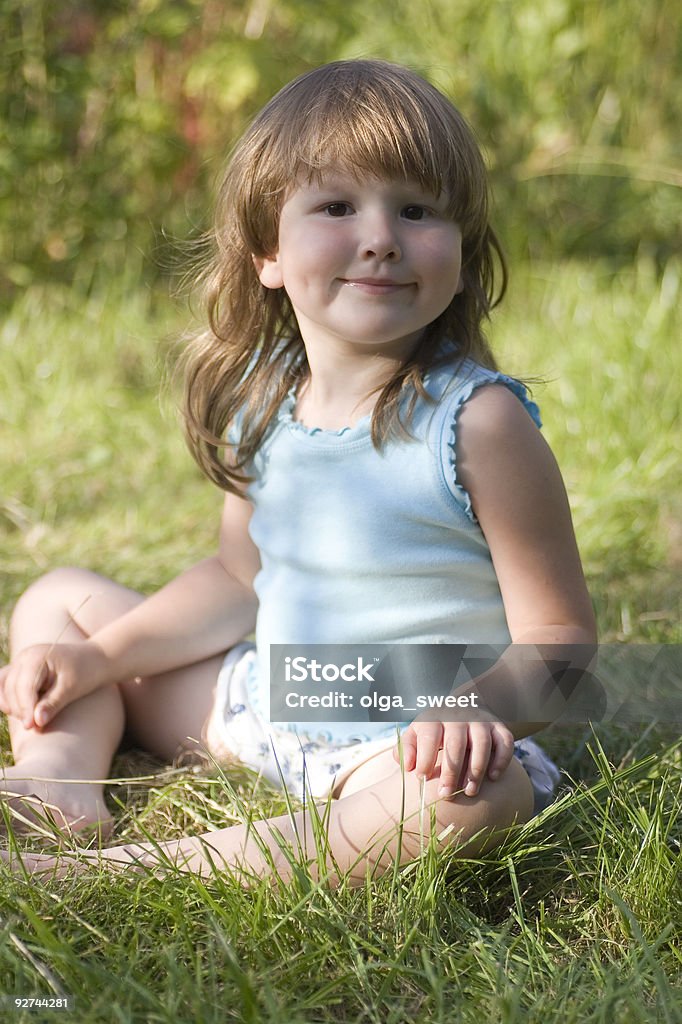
{"points": [[365, 263], [376, 285]]}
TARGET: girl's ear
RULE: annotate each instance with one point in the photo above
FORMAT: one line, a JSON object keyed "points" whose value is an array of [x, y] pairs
{"points": [[268, 270]]}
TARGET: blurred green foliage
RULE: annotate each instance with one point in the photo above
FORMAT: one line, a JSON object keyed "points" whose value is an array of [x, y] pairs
{"points": [[116, 115]]}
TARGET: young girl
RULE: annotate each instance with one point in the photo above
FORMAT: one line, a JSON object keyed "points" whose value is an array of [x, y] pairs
{"points": [[383, 484]]}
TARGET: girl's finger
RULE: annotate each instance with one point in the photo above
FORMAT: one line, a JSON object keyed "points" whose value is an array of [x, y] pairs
{"points": [[429, 742], [408, 742], [502, 752], [12, 693], [9, 696], [455, 742], [29, 685], [480, 746], [49, 700]]}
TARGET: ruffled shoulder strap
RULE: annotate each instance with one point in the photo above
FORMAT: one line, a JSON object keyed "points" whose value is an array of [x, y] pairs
{"points": [[458, 390]]}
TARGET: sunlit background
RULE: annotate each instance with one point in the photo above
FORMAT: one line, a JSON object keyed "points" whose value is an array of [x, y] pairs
{"points": [[115, 117]]}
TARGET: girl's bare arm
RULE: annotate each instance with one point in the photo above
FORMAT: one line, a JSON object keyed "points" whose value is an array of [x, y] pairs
{"points": [[200, 613], [520, 502], [204, 611]]}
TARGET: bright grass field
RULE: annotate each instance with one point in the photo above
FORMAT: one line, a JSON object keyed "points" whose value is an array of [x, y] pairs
{"points": [[576, 918]]}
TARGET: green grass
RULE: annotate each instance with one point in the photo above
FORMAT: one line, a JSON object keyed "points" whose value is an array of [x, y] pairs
{"points": [[576, 917], [607, 348]]}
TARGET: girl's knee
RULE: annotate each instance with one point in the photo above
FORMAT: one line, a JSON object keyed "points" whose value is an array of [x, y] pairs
{"points": [[475, 824], [62, 583], [480, 823], [81, 596], [53, 590]]}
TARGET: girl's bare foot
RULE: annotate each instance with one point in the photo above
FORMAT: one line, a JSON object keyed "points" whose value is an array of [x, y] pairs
{"points": [[39, 799], [41, 865], [50, 867]]}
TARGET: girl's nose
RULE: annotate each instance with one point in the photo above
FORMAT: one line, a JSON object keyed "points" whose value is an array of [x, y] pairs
{"points": [[380, 240]]}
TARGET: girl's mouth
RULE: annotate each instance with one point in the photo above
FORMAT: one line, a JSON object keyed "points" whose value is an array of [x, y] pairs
{"points": [[375, 285]]}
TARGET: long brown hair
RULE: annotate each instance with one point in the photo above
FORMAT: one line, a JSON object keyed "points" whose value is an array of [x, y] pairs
{"points": [[368, 117]]}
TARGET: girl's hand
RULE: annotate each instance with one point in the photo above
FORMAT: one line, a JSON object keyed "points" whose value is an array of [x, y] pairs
{"points": [[44, 678], [469, 750]]}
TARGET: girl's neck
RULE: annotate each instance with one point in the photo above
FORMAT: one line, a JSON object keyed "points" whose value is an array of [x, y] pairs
{"points": [[342, 388]]}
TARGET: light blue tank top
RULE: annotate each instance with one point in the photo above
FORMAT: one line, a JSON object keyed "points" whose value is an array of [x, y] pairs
{"points": [[365, 546]]}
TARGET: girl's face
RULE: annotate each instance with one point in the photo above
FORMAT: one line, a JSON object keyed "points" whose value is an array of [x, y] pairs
{"points": [[367, 264]]}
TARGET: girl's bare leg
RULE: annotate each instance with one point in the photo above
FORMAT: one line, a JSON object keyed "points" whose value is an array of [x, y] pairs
{"points": [[75, 751], [387, 820]]}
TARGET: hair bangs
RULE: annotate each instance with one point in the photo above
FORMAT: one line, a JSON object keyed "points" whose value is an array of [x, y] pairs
{"points": [[362, 139]]}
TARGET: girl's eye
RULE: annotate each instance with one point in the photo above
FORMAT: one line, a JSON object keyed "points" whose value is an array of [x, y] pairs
{"points": [[414, 212], [337, 209]]}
